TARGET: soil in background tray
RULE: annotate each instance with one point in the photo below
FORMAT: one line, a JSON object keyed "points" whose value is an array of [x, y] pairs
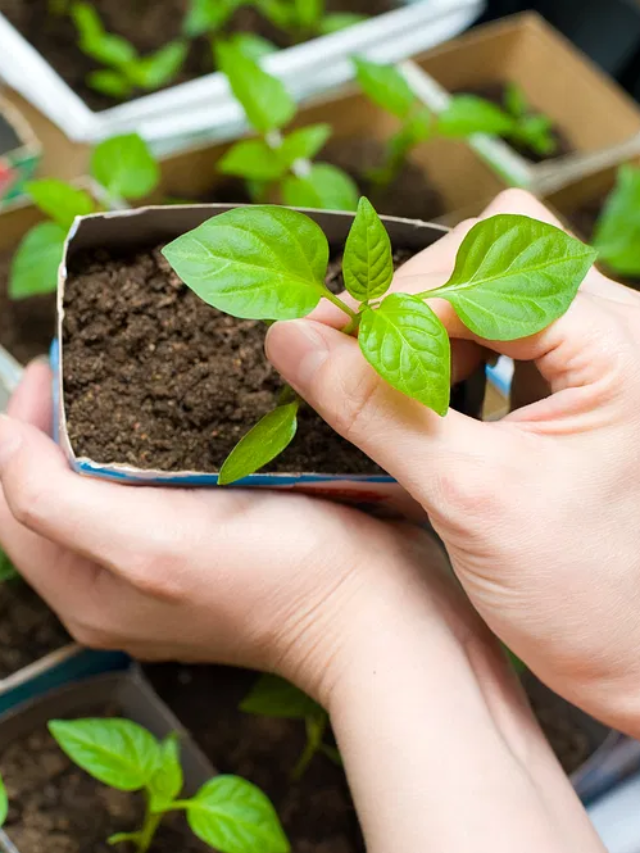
{"points": [[28, 629], [57, 808], [496, 93], [26, 325], [317, 812], [149, 25], [154, 377]]}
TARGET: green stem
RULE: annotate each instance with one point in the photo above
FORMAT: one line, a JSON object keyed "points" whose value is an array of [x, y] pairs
{"points": [[148, 831], [315, 732], [340, 304], [352, 326]]}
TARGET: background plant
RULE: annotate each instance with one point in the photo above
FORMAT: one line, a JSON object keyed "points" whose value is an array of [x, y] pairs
{"points": [[125, 169], [617, 231], [513, 276], [227, 813], [272, 696], [279, 164], [303, 19], [126, 70]]}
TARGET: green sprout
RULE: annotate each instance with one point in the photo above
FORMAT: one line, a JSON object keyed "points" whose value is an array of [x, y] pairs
{"points": [[272, 696], [126, 71], [276, 164], [227, 813], [125, 169], [513, 276], [617, 231], [304, 19]]}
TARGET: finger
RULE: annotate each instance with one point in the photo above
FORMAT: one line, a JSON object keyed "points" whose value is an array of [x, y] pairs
{"points": [[31, 401]]}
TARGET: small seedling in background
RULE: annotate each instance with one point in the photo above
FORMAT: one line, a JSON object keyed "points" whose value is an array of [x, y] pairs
{"points": [[272, 696], [278, 165], [211, 18], [125, 169], [126, 71], [303, 19], [513, 276], [228, 813], [617, 232], [386, 87]]}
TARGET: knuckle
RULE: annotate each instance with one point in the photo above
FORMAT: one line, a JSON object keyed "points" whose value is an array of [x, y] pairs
{"points": [[157, 574], [515, 199], [353, 392], [27, 499], [91, 636]]}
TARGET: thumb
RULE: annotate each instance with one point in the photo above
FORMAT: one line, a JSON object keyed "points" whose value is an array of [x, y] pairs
{"points": [[405, 438]]}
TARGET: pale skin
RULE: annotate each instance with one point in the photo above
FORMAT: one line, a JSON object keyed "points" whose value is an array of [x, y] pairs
{"points": [[538, 514]]}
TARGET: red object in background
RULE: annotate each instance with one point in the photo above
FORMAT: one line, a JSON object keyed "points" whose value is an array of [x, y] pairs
{"points": [[8, 177]]}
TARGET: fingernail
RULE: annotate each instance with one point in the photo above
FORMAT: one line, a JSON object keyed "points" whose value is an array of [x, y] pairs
{"points": [[10, 439], [297, 350]]}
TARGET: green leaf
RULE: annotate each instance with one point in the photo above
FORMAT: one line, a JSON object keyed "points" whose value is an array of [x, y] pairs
{"points": [[272, 696], [261, 263], [367, 264], [8, 571], [385, 86], [304, 144], [111, 83], [267, 439], [205, 16], [4, 803], [515, 100], [119, 753], [96, 42], [536, 131], [617, 232], [309, 13], [35, 265], [340, 21], [125, 166], [468, 114], [254, 160], [60, 201], [282, 13], [265, 100], [152, 72], [233, 816], [167, 781], [408, 346], [124, 838], [514, 276], [253, 46], [325, 187]]}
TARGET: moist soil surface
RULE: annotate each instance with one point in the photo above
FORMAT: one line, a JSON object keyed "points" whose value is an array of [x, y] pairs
{"points": [[496, 93], [148, 25], [27, 326], [154, 377], [57, 808], [28, 629]]}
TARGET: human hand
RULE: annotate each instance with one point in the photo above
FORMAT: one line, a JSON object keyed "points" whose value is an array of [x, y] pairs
{"points": [[539, 512]]}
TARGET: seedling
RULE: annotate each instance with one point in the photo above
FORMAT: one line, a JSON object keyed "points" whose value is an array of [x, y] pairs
{"points": [[126, 71], [272, 696], [279, 166], [125, 169], [211, 18], [303, 19], [228, 813], [617, 231], [513, 276]]}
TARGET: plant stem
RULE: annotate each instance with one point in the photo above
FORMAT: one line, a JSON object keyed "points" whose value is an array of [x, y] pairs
{"points": [[340, 304], [315, 732], [352, 326], [148, 831]]}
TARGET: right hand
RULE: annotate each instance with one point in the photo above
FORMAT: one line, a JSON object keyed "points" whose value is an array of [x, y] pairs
{"points": [[540, 512]]}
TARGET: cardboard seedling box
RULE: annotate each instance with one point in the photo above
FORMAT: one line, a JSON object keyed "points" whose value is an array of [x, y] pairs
{"points": [[591, 110]]}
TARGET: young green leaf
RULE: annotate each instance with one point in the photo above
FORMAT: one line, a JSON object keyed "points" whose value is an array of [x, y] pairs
{"points": [[385, 86], [233, 816], [408, 346], [254, 160], [261, 263], [252, 45], [514, 276], [304, 144], [265, 100], [111, 83], [8, 571], [267, 439], [125, 167], [35, 264], [282, 13], [124, 838], [119, 753], [309, 13], [367, 264], [153, 71], [617, 233], [60, 201], [468, 114], [95, 42], [272, 696], [340, 21], [4, 803], [536, 131], [204, 16], [515, 100], [325, 187], [167, 781]]}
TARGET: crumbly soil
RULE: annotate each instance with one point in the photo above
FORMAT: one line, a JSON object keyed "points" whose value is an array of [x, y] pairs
{"points": [[57, 808], [26, 325], [149, 25], [154, 377], [496, 93], [28, 629]]}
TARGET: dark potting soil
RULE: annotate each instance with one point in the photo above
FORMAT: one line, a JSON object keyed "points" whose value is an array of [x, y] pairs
{"points": [[28, 629], [57, 808], [496, 93], [317, 812], [148, 25], [154, 377], [26, 325]]}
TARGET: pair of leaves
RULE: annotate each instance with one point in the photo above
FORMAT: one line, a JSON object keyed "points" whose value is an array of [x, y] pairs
{"points": [[256, 160], [208, 16], [617, 233], [385, 86], [306, 16]]}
